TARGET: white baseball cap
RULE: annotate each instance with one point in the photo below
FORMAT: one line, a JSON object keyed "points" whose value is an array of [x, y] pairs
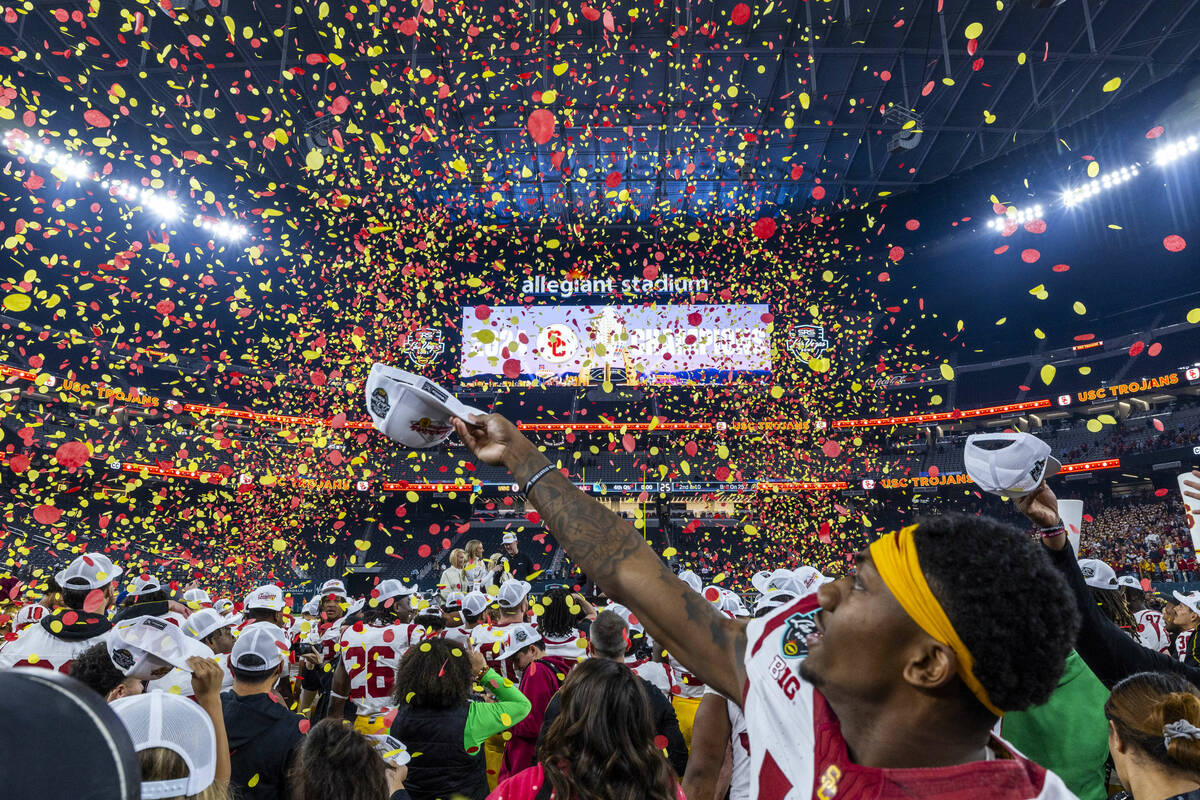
{"points": [[772, 601], [313, 606], [1191, 600], [411, 410], [224, 605], [391, 749], [333, 586], [1013, 464], [475, 603], [203, 623], [88, 571], [509, 538], [147, 647], [516, 637], [624, 613], [454, 601], [760, 579], [268, 596], [162, 719], [725, 601], [28, 615], [692, 580], [259, 648], [389, 590], [810, 578], [1097, 574], [196, 597], [1131, 581], [144, 584], [512, 592]]}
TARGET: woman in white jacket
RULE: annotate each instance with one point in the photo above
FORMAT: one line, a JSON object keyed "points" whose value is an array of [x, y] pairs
{"points": [[477, 569], [453, 579]]}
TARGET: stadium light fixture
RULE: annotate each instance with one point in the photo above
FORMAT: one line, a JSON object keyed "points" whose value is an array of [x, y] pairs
{"points": [[1170, 153], [222, 228], [1015, 218], [1109, 180]]}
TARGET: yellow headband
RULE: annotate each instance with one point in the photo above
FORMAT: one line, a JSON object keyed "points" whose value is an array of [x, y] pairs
{"points": [[895, 557]]}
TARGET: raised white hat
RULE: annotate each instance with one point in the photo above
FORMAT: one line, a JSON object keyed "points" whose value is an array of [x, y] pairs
{"points": [[1097, 574], [516, 637], [147, 647], [411, 410], [1013, 464]]}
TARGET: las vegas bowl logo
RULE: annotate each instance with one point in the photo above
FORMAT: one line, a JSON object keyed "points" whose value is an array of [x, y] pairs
{"points": [[808, 341], [557, 343], [424, 346]]}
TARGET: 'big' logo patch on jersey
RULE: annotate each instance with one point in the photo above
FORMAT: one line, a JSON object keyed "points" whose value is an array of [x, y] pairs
{"points": [[795, 632]]}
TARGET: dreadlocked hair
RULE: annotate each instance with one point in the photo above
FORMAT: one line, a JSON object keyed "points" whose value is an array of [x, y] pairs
{"points": [[433, 674], [1019, 630], [1114, 606], [560, 615]]}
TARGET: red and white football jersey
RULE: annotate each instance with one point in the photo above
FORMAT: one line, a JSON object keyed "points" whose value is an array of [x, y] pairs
{"points": [[1181, 644], [684, 683], [37, 647], [653, 671], [370, 654], [487, 639], [1150, 630], [572, 646], [797, 751]]}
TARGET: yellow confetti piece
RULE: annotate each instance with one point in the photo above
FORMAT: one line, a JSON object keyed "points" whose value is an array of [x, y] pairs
{"points": [[974, 30], [1093, 169], [253, 781], [314, 160], [17, 301], [1048, 371], [1112, 85], [1094, 425], [947, 372], [1193, 316], [1107, 419], [1079, 308]]}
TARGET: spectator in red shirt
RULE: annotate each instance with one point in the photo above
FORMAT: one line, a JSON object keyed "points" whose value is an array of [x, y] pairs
{"points": [[541, 675]]}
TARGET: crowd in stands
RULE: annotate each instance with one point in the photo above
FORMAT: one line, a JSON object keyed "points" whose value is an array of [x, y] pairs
{"points": [[1144, 536], [961, 657]]}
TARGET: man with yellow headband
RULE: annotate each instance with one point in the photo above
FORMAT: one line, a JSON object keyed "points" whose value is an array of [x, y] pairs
{"points": [[883, 685]]}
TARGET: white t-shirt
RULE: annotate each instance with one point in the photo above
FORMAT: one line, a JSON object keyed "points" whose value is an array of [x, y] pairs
{"points": [[797, 751], [653, 671], [370, 654], [1150, 630], [572, 646]]}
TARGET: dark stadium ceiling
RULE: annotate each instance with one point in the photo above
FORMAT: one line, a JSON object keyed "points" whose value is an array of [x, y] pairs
{"points": [[675, 103]]}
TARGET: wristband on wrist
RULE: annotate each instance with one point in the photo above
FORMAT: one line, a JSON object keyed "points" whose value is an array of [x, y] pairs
{"points": [[1053, 530], [537, 476]]}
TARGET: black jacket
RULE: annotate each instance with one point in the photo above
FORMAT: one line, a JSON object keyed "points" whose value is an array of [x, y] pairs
{"points": [[440, 768], [263, 740], [662, 714]]}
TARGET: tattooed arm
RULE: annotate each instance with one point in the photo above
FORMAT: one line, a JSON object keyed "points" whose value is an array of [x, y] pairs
{"points": [[616, 556]]}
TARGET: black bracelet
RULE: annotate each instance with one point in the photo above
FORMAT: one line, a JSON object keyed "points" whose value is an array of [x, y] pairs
{"points": [[1053, 530], [537, 476]]}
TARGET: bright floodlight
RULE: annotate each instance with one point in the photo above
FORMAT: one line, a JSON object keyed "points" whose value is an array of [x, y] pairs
{"points": [[1170, 153], [161, 205]]}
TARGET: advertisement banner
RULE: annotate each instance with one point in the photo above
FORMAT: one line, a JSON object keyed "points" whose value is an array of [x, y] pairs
{"points": [[690, 342]]}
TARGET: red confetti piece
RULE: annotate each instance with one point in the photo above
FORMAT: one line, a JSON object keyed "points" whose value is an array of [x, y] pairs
{"points": [[47, 515], [740, 14], [1160, 492], [1030, 255], [512, 368], [72, 454], [482, 312], [1154, 349], [765, 228], [424, 550], [1136, 349], [818, 192], [896, 253], [1060, 268], [1174, 243], [612, 180], [1158, 425], [541, 125], [912, 224], [94, 602], [96, 118], [831, 448], [1154, 132], [164, 307]]}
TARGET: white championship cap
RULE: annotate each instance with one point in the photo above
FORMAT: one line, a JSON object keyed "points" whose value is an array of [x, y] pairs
{"points": [[1191, 600], [195, 598], [624, 613], [1013, 464], [516, 637], [268, 596], [333, 586], [162, 719], [475, 603], [453, 601], [144, 584], [769, 602], [203, 623], [509, 538], [1131, 581], [259, 648], [692, 580], [391, 749], [147, 648], [1097, 574], [88, 571], [512, 592], [390, 590], [223, 606], [411, 410]]}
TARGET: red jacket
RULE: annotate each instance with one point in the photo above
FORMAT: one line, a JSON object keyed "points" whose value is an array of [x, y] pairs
{"points": [[539, 683]]}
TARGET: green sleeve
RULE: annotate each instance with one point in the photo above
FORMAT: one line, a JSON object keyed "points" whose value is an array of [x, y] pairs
{"points": [[485, 720]]}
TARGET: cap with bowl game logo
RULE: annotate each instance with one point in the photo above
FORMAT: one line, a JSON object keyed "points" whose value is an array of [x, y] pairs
{"points": [[144, 584], [509, 538], [148, 647], [517, 637], [196, 598], [1012, 464], [333, 586], [1097, 574], [1131, 581], [411, 410], [268, 596]]}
